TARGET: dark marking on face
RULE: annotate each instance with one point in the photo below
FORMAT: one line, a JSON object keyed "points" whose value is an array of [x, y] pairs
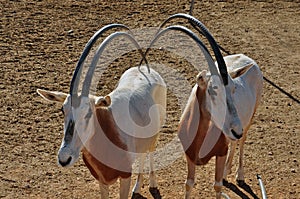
{"points": [[88, 116], [69, 132], [230, 107], [211, 91]]}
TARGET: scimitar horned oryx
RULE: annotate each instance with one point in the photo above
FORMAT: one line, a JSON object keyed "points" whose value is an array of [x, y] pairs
{"points": [[112, 130], [220, 107]]}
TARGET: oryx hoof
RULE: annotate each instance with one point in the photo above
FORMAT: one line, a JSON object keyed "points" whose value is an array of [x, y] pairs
{"points": [[155, 192], [137, 196], [225, 182], [240, 183]]}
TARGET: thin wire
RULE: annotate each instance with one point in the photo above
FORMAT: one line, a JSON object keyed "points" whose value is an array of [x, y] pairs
{"points": [[266, 79]]}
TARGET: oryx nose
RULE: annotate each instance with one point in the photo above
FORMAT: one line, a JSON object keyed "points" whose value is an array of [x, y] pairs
{"points": [[65, 163], [236, 135]]}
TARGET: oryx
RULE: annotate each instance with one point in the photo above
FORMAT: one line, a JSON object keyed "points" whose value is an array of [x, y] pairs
{"points": [[112, 130]]}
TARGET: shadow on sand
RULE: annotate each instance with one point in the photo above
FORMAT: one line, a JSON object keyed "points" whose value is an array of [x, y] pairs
{"points": [[243, 185]]}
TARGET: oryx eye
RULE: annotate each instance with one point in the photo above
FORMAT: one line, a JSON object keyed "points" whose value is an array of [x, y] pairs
{"points": [[211, 90], [88, 115]]}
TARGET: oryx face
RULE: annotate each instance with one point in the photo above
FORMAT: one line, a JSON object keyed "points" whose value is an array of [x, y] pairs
{"points": [[219, 103], [78, 128], [233, 126]]}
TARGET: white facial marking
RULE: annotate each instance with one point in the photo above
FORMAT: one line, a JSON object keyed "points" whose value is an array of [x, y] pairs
{"points": [[220, 104], [84, 118], [216, 101], [76, 130]]}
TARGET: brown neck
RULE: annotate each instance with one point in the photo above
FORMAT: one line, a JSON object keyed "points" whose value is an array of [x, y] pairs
{"points": [[203, 123], [193, 130], [105, 151], [109, 127]]}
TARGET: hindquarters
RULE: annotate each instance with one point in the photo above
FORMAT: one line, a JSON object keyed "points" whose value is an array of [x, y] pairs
{"points": [[159, 95]]}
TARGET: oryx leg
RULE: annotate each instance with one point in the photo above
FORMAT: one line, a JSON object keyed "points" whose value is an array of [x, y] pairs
{"points": [[140, 179], [104, 190], [228, 166], [240, 171], [219, 171], [190, 181], [124, 187], [153, 183]]}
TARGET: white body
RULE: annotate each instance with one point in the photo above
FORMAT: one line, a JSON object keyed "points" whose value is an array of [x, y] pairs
{"points": [[114, 129], [139, 108]]}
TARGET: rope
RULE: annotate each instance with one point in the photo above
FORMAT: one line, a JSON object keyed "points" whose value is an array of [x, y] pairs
{"points": [[266, 79]]}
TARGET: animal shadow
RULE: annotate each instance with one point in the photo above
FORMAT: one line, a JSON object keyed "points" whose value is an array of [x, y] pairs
{"points": [[243, 185]]}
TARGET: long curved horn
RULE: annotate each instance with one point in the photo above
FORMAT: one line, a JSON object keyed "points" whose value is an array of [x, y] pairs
{"points": [[188, 32], [203, 30], [77, 73], [91, 70]]}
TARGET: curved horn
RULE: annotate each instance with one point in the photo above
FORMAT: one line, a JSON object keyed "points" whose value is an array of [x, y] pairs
{"points": [[188, 32], [204, 31], [87, 48], [91, 70]]}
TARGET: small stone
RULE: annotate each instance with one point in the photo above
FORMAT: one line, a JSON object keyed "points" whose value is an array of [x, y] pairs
{"points": [[293, 170], [27, 186]]}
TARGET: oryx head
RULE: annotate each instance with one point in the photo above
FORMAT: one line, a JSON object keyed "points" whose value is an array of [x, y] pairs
{"points": [[219, 86], [220, 105], [79, 122], [79, 109]]}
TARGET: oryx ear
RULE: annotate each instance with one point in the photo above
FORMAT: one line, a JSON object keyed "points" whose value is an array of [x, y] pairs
{"points": [[202, 79], [239, 71], [52, 96], [102, 101]]}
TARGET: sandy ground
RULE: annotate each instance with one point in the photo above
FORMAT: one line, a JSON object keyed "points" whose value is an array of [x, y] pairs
{"points": [[41, 41]]}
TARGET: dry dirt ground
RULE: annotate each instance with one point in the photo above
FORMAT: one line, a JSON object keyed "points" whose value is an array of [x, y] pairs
{"points": [[41, 42]]}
